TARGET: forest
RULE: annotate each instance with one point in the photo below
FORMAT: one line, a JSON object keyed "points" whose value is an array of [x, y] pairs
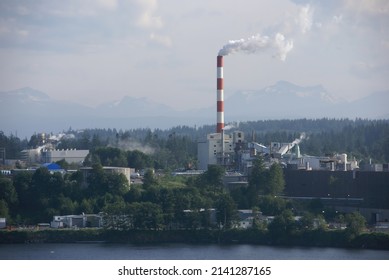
{"points": [[160, 201], [364, 140], [174, 209], [163, 202], [166, 202]]}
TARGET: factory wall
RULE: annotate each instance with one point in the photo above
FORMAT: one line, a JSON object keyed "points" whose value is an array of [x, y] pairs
{"points": [[218, 148], [208, 150], [70, 156], [204, 156], [343, 187]]}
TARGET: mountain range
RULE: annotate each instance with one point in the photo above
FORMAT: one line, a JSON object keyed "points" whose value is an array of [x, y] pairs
{"points": [[27, 111], [285, 100]]}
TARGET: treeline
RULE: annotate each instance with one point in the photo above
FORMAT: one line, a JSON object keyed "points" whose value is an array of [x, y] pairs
{"points": [[364, 142], [160, 202], [32, 197], [163, 202], [177, 147], [363, 139], [12, 145]]}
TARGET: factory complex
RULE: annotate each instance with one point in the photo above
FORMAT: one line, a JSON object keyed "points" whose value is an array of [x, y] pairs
{"points": [[333, 179], [233, 151]]}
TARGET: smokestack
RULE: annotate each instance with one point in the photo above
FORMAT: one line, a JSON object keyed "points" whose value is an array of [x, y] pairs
{"points": [[251, 45], [220, 95]]}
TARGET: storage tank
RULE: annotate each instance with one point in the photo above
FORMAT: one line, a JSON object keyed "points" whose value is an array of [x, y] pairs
{"points": [[343, 160]]}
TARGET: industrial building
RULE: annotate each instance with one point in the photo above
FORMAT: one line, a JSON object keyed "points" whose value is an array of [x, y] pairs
{"points": [[77, 221], [69, 155], [333, 179], [46, 151], [3, 223], [44, 155], [219, 148], [235, 154]]}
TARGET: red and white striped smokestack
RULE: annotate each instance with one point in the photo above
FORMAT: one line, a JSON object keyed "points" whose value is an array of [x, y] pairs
{"points": [[220, 95]]}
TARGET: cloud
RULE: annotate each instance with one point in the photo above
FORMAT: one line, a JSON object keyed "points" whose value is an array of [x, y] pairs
{"points": [[161, 40], [305, 18], [108, 4], [368, 70], [385, 44], [23, 33], [3, 29], [357, 23], [337, 19], [335, 43], [67, 26], [22, 10], [371, 7], [362, 69], [147, 17]]}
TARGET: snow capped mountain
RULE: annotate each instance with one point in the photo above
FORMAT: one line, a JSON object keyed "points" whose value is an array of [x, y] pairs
{"points": [[282, 100], [23, 95], [135, 107], [27, 110], [286, 100], [286, 88], [283, 89]]}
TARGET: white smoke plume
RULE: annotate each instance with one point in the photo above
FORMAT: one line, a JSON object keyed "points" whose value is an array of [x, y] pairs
{"points": [[131, 145], [258, 43], [298, 141], [228, 127]]}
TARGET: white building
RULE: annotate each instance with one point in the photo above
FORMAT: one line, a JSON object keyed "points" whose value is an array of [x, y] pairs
{"points": [[69, 155], [31, 155], [3, 222], [44, 155], [77, 221], [337, 162], [218, 148]]}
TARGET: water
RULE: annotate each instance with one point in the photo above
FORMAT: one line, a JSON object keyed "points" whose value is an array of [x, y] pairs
{"points": [[103, 251]]}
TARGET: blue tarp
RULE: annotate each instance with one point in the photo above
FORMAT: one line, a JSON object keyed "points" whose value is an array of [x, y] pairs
{"points": [[52, 166]]}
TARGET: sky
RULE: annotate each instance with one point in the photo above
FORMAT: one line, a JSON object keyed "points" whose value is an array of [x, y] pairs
{"points": [[97, 51]]}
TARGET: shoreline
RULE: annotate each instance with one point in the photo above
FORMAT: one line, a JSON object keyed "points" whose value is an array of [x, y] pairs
{"points": [[313, 238]]}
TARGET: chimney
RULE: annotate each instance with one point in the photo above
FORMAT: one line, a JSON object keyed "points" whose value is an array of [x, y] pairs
{"points": [[220, 95]]}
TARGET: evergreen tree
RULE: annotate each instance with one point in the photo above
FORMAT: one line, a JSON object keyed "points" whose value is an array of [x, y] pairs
{"points": [[4, 211], [212, 178], [226, 213], [149, 179], [355, 223], [276, 182], [282, 227], [7, 191], [257, 181]]}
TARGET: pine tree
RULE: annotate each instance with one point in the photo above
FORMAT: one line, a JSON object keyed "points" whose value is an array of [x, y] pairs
{"points": [[276, 182]]}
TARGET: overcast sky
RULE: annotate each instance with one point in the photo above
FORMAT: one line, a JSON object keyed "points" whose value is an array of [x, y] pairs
{"points": [[93, 51]]}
